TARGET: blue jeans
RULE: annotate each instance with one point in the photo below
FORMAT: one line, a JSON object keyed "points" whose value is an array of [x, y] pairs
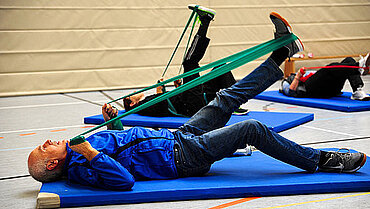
{"points": [[204, 139]]}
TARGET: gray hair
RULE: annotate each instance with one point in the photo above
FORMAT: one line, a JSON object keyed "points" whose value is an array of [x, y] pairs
{"points": [[39, 172]]}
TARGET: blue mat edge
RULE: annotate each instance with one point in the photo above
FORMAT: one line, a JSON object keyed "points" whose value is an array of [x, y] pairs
{"points": [[229, 192], [306, 117], [298, 101], [359, 186]]}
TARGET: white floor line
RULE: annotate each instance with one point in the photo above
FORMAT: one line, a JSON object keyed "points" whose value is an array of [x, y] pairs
{"points": [[20, 148], [41, 129], [47, 105], [321, 129]]}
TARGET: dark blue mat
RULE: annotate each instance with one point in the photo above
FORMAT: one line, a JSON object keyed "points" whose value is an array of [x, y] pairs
{"points": [[254, 176], [277, 121], [341, 103]]}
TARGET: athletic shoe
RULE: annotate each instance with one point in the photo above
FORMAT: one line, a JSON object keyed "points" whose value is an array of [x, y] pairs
{"points": [[360, 95], [364, 62], [203, 12], [247, 151], [345, 162], [241, 111], [282, 28]]}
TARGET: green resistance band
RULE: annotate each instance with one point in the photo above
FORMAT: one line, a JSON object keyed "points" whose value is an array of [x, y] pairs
{"points": [[77, 140], [242, 58], [187, 44], [203, 68], [182, 35]]}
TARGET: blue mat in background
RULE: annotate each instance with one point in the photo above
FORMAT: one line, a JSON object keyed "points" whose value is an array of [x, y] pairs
{"points": [[252, 176], [341, 103], [277, 121]]}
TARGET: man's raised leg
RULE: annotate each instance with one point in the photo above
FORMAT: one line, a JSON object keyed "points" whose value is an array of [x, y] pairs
{"points": [[199, 44], [217, 113], [214, 141]]}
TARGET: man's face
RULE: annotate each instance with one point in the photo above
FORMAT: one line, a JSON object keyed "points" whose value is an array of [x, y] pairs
{"points": [[50, 150]]}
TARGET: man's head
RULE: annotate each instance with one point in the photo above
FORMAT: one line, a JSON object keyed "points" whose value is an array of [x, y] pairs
{"points": [[45, 162]]}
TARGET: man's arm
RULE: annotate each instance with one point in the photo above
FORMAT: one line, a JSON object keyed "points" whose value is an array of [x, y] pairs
{"points": [[295, 82], [86, 150], [103, 171]]}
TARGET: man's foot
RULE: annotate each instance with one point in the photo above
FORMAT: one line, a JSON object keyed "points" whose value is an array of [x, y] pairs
{"points": [[360, 95], [204, 13], [345, 162], [364, 62], [282, 28]]}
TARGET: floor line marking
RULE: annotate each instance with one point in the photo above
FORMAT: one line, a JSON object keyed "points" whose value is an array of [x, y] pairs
{"points": [[58, 130], [45, 105], [337, 132], [87, 126], [234, 203], [27, 134], [333, 198], [1, 150], [41, 129], [333, 118]]}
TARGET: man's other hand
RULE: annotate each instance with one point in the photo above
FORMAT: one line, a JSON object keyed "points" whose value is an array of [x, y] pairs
{"points": [[85, 149], [109, 112]]}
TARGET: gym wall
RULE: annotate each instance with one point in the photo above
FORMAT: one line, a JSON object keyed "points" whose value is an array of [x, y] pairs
{"points": [[69, 46]]}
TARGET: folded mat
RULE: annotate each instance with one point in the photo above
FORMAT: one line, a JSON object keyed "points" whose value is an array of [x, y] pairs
{"points": [[253, 176], [341, 103], [277, 121]]}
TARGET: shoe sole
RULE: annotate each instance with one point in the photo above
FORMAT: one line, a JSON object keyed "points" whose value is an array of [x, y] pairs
{"points": [[356, 169], [298, 42], [241, 113], [363, 99]]}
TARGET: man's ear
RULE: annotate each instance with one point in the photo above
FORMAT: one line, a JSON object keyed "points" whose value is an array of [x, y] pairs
{"points": [[52, 164]]}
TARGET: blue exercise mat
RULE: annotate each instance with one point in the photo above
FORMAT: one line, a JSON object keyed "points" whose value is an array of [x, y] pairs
{"points": [[251, 176], [277, 121], [341, 103]]}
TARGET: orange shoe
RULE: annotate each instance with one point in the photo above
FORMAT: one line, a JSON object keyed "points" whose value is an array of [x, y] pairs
{"points": [[282, 28]]}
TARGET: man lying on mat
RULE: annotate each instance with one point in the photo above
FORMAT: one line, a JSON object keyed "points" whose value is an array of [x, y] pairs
{"points": [[329, 81], [188, 102], [115, 159]]}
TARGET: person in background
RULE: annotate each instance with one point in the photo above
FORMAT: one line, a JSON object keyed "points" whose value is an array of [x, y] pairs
{"points": [[329, 82], [191, 101]]}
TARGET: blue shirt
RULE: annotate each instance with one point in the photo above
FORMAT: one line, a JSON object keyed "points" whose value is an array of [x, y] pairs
{"points": [[125, 156]]}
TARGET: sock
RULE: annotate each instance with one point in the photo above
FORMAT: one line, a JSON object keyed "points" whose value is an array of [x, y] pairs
{"points": [[280, 55], [203, 28], [323, 158]]}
